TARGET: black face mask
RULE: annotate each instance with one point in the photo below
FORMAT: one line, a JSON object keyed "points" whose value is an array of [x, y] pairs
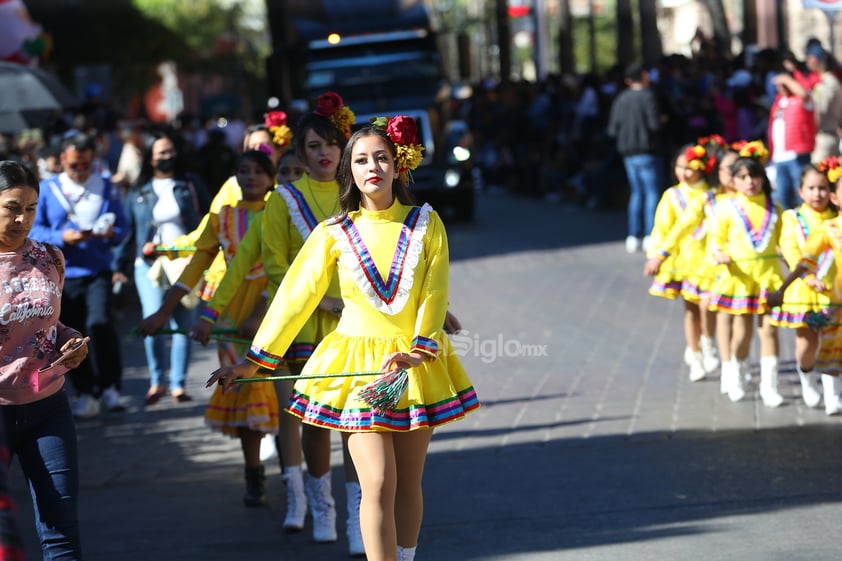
{"points": [[166, 165]]}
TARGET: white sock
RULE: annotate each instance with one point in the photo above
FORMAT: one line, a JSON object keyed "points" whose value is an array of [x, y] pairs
{"points": [[406, 553]]}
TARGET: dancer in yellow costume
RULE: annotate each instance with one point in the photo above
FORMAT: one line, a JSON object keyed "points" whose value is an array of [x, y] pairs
{"points": [[681, 271], [744, 242], [802, 300], [292, 212], [823, 246], [250, 413], [391, 322]]}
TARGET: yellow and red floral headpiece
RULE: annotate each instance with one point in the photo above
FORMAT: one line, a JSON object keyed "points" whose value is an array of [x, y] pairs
{"points": [[700, 159], [753, 149], [331, 106], [403, 131], [276, 122], [832, 168]]}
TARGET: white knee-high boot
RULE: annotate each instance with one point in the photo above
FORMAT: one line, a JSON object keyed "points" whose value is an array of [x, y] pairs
{"points": [[769, 382], [832, 400], [322, 507], [352, 528], [810, 392], [406, 553], [296, 499], [737, 388]]}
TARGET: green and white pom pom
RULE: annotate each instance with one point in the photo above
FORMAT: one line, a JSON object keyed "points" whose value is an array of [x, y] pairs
{"points": [[817, 320], [385, 392]]}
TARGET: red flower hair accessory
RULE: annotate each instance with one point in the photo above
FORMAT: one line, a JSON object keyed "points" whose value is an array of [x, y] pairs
{"points": [[276, 122], [403, 131], [699, 159], [331, 106], [712, 140], [832, 168]]}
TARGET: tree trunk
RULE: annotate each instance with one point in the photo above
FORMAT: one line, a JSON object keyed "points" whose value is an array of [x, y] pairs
{"points": [[566, 55], [650, 37], [625, 33], [504, 40], [721, 33]]}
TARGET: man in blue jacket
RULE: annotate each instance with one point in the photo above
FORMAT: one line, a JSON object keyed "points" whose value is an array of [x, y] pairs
{"points": [[82, 213]]}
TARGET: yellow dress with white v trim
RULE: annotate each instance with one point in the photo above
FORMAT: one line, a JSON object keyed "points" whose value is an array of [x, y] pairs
{"points": [[393, 273]]}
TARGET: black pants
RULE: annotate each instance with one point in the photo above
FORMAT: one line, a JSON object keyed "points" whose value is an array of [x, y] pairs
{"points": [[86, 306]]}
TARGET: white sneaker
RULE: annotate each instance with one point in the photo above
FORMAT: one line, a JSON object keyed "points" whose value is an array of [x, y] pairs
{"points": [[646, 245], [632, 244], [268, 448], [110, 400], [86, 406], [697, 368], [688, 356]]}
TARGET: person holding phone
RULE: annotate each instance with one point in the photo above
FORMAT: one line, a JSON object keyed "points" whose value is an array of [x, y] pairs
{"points": [[36, 351]]}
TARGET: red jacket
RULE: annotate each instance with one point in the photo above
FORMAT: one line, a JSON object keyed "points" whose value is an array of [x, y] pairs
{"points": [[800, 125]]}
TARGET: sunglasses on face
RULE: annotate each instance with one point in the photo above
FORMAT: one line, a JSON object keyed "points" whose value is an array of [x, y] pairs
{"points": [[79, 166]]}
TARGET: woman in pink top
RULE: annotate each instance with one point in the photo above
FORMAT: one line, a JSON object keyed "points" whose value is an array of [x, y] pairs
{"points": [[36, 351]]}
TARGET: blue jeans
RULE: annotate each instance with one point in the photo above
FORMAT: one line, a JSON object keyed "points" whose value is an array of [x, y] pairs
{"points": [[788, 181], [86, 306], [643, 172], [43, 436], [151, 298]]}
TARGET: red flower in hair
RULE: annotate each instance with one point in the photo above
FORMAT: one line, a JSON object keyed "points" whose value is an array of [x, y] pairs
{"points": [[328, 103], [402, 130], [275, 119]]}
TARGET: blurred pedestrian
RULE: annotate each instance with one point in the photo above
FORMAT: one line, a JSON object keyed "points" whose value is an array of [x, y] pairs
{"points": [[82, 213], [635, 125], [164, 203]]}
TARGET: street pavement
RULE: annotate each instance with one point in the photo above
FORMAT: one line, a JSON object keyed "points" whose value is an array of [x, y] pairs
{"points": [[591, 444]]}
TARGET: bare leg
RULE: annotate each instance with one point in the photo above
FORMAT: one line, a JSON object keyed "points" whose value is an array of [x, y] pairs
{"points": [[806, 348], [289, 426], [374, 457], [768, 334], [410, 453], [723, 335], [250, 444], [708, 319], [743, 330], [692, 326]]}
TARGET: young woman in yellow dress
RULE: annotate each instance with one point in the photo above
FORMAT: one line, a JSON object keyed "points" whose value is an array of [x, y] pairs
{"points": [[392, 262], [802, 299], [678, 270], [822, 246], [253, 411], [744, 242], [291, 214]]}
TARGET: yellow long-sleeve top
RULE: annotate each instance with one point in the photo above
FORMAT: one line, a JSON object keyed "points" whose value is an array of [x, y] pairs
{"points": [[826, 236], [222, 234], [801, 299], [678, 273], [746, 229], [291, 213], [228, 195], [410, 304]]}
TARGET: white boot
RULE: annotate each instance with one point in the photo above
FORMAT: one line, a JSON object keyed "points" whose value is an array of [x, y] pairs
{"points": [[832, 401], [729, 370], [406, 553], [688, 356], [296, 499], [322, 507], [268, 450], [737, 389], [810, 391], [769, 382], [352, 529], [709, 354], [697, 367]]}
